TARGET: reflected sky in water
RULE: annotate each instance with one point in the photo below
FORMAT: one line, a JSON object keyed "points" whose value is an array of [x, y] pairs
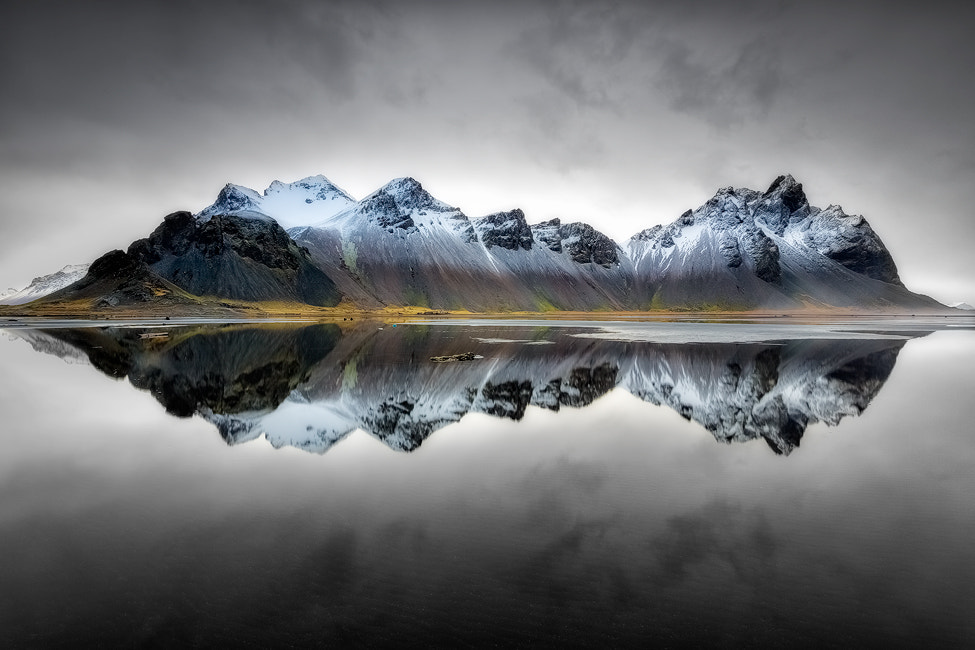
{"points": [[614, 522]]}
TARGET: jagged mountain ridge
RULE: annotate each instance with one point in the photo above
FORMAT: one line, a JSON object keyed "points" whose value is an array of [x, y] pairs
{"points": [[768, 249], [741, 250], [400, 245]]}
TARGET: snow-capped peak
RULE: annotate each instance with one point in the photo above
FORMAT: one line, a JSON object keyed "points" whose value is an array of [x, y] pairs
{"points": [[410, 196], [303, 202], [401, 206], [402, 184], [309, 189], [236, 197], [962, 305]]}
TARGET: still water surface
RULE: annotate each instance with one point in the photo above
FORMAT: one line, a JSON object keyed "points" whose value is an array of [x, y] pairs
{"points": [[579, 483]]}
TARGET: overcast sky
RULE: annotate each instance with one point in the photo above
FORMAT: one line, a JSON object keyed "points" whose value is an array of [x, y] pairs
{"points": [[113, 114]]}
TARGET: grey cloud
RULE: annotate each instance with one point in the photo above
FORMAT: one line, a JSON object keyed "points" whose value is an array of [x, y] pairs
{"points": [[723, 93], [576, 48], [558, 138], [134, 63]]}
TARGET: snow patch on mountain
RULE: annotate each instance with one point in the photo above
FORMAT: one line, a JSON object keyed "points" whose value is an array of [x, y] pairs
{"points": [[401, 245], [44, 285], [300, 203], [401, 207]]}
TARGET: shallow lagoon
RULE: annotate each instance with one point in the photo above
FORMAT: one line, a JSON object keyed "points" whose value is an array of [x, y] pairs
{"points": [[538, 494]]}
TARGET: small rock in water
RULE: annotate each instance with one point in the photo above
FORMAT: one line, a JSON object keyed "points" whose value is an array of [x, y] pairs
{"points": [[466, 356]]}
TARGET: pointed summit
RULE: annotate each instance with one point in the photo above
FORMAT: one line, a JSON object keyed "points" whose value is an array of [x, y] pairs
{"points": [[410, 196], [233, 198], [316, 179], [310, 189], [786, 189], [783, 204], [404, 183]]}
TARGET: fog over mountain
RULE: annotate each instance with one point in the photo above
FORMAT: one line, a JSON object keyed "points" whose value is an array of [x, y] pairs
{"points": [[619, 115]]}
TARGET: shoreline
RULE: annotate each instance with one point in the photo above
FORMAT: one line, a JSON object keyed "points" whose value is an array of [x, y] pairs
{"points": [[418, 316]]}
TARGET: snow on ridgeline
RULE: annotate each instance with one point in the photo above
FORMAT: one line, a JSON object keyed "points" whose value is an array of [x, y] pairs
{"points": [[402, 204], [44, 285], [742, 249], [303, 202]]}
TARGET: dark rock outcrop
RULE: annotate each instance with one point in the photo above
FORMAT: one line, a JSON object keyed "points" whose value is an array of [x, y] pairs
{"points": [[117, 279], [586, 245], [234, 257], [583, 243], [507, 230], [548, 233], [387, 213], [849, 240], [782, 204]]}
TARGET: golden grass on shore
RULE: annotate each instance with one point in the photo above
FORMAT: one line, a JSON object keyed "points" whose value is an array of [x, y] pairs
{"points": [[234, 309]]}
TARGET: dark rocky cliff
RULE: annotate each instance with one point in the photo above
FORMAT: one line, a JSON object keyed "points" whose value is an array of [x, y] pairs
{"points": [[234, 257]]}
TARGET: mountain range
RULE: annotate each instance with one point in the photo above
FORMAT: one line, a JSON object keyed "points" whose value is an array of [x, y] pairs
{"points": [[310, 243]]}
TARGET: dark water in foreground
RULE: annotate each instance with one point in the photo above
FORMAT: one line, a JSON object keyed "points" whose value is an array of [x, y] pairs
{"points": [[675, 484]]}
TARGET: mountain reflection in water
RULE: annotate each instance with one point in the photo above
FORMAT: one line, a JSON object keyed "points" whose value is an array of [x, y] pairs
{"points": [[309, 386]]}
